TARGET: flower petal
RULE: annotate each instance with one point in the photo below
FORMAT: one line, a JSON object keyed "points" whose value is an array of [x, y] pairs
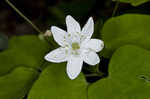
{"points": [[91, 58], [88, 29], [59, 35], [58, 55], [74, 66], [94, 44], [72, 25]]}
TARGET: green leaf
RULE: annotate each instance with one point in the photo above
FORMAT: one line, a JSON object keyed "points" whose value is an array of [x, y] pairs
{"points": [[126, 29], [3, 41], [23, 50], [54, 83], [134, 2], [17, 83], [129, 76]]}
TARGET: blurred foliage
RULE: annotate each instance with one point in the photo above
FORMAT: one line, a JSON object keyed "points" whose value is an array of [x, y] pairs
{"points": [[3, 41], [23, 50], [134, 2]]}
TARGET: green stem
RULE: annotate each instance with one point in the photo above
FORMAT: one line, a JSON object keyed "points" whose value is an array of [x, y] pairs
{"points": [[95, 74], [48, 40], [116, 7], [24, 17]]}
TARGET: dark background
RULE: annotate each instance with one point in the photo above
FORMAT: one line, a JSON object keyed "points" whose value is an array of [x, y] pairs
{"points": [[45, 13]]}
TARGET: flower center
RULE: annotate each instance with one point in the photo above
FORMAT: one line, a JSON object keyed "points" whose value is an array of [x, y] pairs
{"points": [[75, 46]]}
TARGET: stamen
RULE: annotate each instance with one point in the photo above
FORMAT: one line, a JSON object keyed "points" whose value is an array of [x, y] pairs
{"points": [[75, 46]]}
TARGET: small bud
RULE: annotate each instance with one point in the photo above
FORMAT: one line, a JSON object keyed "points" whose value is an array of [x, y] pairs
{"points": [[48, 33], [41, 37]]}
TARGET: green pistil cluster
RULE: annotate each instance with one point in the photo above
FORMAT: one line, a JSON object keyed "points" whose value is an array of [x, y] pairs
{"points": [[75, 46]]}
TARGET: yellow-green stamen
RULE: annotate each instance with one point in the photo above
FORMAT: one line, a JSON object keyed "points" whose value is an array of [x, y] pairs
{"points": [[75, 46]]}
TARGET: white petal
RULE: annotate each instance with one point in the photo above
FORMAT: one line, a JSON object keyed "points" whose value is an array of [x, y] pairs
{"points": [[59, 35], [88, 29], [58, 55], [94, 44], [91, 58], [72, 25], [74, 66]]}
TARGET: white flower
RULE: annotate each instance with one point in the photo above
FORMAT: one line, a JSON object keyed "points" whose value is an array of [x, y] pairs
{"points": [[76, 46]]}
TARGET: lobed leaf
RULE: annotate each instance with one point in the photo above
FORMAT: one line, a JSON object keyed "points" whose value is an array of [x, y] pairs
{"points": [[17, 83], [23, 50], [54, 83], [129, 76], [126, 29]]}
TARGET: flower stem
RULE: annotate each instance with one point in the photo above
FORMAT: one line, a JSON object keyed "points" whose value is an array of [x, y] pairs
{"points": [[100, 74], [115, 8], [94, 71], [24, 17]]}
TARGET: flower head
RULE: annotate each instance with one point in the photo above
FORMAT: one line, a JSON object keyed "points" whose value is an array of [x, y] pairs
{"points": [[76, 46]]}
